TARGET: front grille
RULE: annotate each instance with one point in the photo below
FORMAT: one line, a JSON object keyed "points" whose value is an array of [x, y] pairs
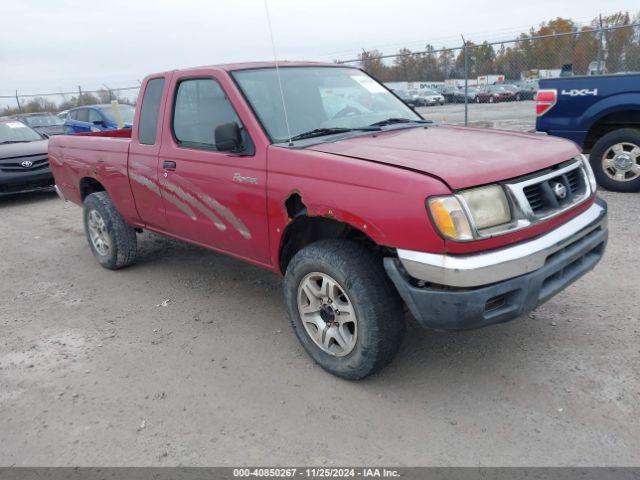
{"points": [[14, 165], [534, 196], [555, 193], [573, 178]]}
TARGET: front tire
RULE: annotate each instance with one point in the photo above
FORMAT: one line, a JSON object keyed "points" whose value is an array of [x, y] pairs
{"points": [[615, 160], [112, 242], [344, 309]]}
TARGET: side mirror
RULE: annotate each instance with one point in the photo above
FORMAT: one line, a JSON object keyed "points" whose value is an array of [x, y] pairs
{"points": [[99, 123], [228, 137]]}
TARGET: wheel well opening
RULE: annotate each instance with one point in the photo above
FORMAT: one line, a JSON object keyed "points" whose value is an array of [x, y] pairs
{"points": [[88, 186], [304, 230], [609, 123]]}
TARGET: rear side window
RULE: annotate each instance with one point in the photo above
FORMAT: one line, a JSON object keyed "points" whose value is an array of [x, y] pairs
{"points": [[200, 106], [82, 115], [94, 116], [149, 112]]}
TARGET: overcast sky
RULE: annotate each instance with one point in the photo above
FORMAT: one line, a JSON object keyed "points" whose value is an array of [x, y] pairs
{"points": [[53, 45]]}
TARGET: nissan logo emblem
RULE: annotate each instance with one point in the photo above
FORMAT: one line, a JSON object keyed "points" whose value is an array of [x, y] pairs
{"points": [[27, 164], [560, 190]]}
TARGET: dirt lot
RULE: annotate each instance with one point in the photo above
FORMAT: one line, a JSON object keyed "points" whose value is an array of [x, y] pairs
{"points": [[188, 358]]}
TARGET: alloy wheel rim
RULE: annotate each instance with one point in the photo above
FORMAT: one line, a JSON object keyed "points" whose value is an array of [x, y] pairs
{"points": [[327, 314], [621, 162], [98, 234]]}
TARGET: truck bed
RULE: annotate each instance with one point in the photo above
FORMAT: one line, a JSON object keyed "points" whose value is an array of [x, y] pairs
{"points": [[78, 159]]}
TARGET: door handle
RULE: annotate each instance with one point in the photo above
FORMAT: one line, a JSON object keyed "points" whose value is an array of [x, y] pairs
{"points": [[169, 165]]}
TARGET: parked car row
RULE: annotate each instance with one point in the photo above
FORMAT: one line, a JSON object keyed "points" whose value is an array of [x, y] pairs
{"points": [[88, 118], [503, 92], [24, 162]]}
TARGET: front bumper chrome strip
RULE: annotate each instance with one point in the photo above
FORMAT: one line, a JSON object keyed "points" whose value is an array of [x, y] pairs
{"points": [[497, 265]]}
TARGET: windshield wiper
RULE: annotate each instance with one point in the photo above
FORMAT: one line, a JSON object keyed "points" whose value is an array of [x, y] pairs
{"points": [[14, 141], [318, 132], [392, 120]]}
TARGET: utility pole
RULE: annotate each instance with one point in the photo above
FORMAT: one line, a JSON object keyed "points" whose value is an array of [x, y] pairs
{"points": [[600, 46], [18, 102], [466, 81], [109, 91], [366, 62], [79, 95]]}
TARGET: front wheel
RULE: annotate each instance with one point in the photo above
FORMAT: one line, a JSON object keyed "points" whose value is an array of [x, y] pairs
{"points": [[344, 309], [615, 160], [112, 241]]}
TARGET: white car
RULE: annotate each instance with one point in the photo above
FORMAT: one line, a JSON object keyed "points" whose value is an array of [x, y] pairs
{"points": [[430, 97]]}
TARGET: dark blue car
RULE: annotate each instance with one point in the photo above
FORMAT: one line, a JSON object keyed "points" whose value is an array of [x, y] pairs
{"points": [[96, 118]]}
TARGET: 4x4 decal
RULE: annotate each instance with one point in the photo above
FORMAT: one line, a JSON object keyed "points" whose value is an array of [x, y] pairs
{"points": [[580, 92]]}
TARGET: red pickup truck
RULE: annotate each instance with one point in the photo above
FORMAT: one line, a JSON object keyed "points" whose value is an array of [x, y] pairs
{"points": [[321, 174]]}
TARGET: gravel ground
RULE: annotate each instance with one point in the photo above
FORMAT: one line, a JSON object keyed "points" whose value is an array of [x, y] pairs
{"points": [[187, 358]]}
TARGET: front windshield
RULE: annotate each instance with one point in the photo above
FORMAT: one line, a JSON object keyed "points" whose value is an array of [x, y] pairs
{"points": [[42, 120], [318, 97], [126, 111], [17, 132]]}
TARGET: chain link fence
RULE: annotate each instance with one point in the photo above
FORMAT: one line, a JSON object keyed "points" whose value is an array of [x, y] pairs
{"points": [[60, 101], [494, 83]]}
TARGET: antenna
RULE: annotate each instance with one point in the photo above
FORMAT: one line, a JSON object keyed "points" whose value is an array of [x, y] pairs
{"points": [[275, 58]]}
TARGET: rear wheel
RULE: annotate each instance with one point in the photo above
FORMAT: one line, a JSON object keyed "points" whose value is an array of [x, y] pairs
{"points": [[344, 310], [111, 240], [615, 160]]}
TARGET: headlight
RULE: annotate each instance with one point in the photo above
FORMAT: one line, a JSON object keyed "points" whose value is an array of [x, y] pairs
{"points": [[488, 206], [589, 172], [459, 216], [449, 217]]}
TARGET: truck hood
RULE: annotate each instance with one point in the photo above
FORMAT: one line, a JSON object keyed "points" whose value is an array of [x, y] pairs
{"points": [[460, 157]]}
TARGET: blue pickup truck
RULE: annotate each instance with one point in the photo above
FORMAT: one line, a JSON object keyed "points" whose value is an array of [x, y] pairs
{"points": [[602, 115]]}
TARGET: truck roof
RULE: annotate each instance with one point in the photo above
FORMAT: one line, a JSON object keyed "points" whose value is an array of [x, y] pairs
{"points": [[229, 67]]}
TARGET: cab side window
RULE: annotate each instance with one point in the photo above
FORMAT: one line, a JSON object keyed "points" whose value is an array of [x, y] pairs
{"points": [[200, 106]]}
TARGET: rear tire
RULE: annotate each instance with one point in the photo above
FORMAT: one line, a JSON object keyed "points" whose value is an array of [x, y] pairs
{"points": [[615, 160], [112, 242], [366, 328]]}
